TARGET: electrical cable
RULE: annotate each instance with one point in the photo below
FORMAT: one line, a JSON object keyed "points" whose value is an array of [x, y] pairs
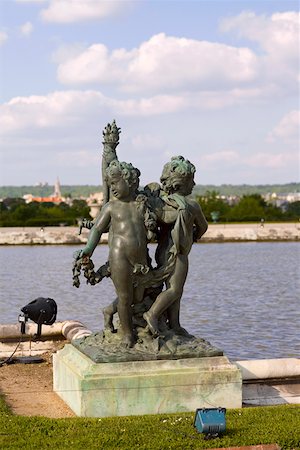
{"points": [[7, 360]]}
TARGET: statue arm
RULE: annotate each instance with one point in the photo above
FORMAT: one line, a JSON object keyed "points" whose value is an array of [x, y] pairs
{"points": [[101, 225], [166, 213], [199, 222], [110, 141]]}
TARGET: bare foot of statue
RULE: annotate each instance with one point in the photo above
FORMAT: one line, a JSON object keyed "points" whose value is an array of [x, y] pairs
{"points": [[152, 323], [108, 319], [127, 340]]}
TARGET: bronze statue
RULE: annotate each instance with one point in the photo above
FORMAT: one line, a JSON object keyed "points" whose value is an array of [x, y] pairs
{"points": [[181, 222], [148, 298], [124, 217]]}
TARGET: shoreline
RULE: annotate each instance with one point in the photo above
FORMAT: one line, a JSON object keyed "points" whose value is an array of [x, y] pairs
{"points": [[248, 232]]}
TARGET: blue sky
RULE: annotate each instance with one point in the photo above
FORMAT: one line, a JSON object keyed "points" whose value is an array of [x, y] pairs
{"points": [[214, 81]]}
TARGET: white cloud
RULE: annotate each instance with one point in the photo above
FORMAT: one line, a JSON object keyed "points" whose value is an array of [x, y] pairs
{"points": [[63, 108], [147, 142], [31, 1], [227, 156], [273, 160], [159, 104], [68, 109], [66, 51], [166, 93], [54, 109], [278, 37], [66, 127], [288, 128], [163, 63], [3, 37], [276, 33], [26, 29], [259, 160], [79, 158], [69, 11]]}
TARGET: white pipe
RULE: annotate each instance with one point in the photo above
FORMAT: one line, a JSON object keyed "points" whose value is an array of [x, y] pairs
{"points": [[13, 331], [269, 368], [69, 329], [72, 329]]}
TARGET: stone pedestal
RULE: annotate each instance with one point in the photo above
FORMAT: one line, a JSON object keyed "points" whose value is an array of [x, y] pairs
{"points": [[144, 387]]}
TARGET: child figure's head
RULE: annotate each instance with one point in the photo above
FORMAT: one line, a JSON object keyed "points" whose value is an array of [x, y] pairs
{"points": [[122, 178], [178, 176]]}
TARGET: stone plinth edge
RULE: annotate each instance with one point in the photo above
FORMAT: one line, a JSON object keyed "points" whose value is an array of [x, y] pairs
{"points": [[144, 387]]}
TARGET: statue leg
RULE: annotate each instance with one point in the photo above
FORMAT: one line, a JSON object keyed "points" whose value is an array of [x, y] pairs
{"points": [[122, 279], [173, 313], [108, 313], [170, 297]]}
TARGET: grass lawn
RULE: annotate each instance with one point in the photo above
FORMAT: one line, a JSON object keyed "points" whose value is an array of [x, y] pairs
{"points": [[248, 426]]}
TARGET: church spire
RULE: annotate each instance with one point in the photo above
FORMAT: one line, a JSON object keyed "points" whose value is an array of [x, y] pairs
{"points": [[57, 192]]}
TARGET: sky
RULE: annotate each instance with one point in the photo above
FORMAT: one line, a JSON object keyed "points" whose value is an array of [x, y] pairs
{"points": [[215, 81]]}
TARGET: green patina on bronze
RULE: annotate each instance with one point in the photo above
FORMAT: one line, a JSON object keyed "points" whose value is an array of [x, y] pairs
{"points": [[148, 294], [108, 347]]}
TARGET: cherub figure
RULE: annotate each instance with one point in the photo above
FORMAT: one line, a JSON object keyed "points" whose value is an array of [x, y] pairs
{"points": [[181, 222], [124, 216]]}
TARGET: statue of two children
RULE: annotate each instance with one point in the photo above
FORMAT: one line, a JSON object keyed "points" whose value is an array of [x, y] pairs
{"points": [[131, 217]]}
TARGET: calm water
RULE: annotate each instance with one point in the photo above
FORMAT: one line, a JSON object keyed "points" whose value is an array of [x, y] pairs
{"points": [[242, 297]]}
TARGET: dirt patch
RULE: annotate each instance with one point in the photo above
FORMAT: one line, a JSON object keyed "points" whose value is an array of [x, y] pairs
{"points": [[28, 389]]}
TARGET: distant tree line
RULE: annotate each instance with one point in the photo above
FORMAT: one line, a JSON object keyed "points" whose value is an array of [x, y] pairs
{"points": [[247, 189], [77, 191], [14, 212], [68, 191], [249, 208]]}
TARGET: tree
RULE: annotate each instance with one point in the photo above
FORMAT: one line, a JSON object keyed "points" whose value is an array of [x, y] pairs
{"points": [[211, 204], [79, 209], [15, 212], [24, 212], [254, 208], [293, 210], [250, 208], [12, 203], [273, 213]]}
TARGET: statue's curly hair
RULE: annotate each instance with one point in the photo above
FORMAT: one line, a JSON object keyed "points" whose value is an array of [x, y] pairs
{"points": [[177, 169], [126, 170]]}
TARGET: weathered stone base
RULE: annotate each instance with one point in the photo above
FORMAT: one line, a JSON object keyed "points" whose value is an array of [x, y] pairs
{"points": [[106, 347], [144, 387]]}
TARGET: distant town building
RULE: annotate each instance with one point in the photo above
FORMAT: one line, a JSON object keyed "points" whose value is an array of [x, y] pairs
{"points": [[95, 201], [56, 197], [281, 200]]}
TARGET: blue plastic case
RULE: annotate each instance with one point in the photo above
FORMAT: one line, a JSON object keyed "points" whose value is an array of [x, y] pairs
{"points": [[210, 420]]}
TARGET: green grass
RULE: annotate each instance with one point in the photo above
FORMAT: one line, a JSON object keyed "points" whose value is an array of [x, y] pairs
{"points": [[248, 426], [4, 411]]}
